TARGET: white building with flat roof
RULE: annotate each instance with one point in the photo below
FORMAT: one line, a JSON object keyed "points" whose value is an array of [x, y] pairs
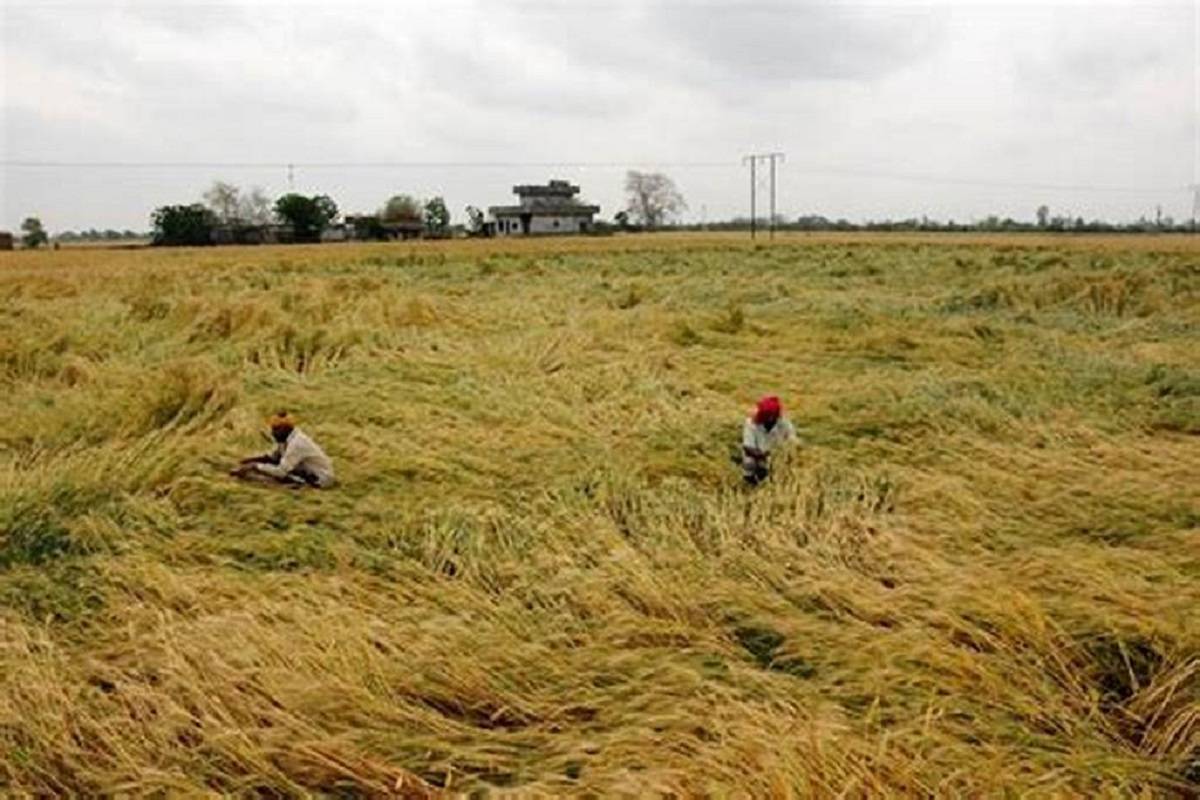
{"points": [[544, 209]]}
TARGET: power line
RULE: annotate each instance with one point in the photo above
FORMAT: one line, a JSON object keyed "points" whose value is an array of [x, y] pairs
{"points": [[985, 182], [34, 164], [851, 172]]}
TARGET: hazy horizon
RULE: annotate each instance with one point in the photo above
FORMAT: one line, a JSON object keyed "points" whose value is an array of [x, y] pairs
{"points": [[885, 110]]}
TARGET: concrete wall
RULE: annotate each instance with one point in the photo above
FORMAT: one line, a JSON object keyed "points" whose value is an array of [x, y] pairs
{"points": [[511, 226], [556, 224]]}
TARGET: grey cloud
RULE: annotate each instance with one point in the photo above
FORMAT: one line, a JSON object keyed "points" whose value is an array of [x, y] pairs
{"points": [[734, 48], [801, 42], [37, 136], [956, 90], [497, 80], [195, 19], [227, 94], [1108, 48]]}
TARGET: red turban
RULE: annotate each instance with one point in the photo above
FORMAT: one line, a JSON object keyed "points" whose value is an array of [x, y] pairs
{"points": [[768, 408]]}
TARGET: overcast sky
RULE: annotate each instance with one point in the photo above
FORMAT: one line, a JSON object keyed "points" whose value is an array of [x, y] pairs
{"points": [[884, 109]]}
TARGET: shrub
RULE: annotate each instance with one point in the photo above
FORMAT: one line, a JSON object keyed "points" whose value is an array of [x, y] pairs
{"points": [[308, 216], [183, 225]]}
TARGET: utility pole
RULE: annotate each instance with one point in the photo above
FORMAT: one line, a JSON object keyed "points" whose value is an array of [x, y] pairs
{"points": [[773, 157], [291, 177], [753, 161]]}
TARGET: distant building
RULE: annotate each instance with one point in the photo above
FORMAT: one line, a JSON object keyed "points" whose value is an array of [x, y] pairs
{"points": [[368, 227], [549, 208], [338, 232], [253, 233], [241, 233], [6, 240]]}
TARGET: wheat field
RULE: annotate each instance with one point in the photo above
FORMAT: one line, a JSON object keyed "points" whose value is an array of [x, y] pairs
{"points": [[978, 574]]}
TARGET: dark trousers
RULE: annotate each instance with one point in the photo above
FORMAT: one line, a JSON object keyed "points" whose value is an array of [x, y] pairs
{"points": [[755, 474], [302, 475], [754, 470]]}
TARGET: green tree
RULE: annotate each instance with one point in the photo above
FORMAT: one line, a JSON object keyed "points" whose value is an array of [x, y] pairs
{"points": [[437, 217], [181, 225], [308, 216], [1043, 216], [401, 208], [35, 235]]}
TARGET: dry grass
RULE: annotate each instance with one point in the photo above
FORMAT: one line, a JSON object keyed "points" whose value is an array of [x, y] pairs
{"points": [[978, 576]]}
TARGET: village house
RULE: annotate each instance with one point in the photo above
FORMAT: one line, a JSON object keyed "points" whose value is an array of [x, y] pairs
{"points": [[246, 233], [549, 208], [369, 227]]}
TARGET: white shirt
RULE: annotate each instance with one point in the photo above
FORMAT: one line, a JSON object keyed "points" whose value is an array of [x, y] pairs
{"points": [[298, 450], [757, 437]]}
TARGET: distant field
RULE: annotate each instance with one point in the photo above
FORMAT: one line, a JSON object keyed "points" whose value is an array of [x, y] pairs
{"points": [[978, 575]]}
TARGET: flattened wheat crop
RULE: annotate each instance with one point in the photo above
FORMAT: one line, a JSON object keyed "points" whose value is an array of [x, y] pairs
{"points": [[979, 573]]}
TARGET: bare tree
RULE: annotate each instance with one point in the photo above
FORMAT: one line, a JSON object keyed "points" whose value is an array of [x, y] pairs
{"points": [[652, 197], [223, 198], [255, 207], [475, 221]]}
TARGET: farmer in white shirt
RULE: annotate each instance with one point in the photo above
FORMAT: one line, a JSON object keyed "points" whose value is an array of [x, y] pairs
{"points": [[296, 459], [764, 433]]}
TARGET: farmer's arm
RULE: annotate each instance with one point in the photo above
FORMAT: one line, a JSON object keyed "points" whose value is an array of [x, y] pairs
{"points": [[272, 457], [293, 454], [750, 443]]}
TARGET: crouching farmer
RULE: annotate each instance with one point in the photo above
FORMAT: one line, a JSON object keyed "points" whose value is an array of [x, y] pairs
{"points": [[765, 432], [295, 460]]}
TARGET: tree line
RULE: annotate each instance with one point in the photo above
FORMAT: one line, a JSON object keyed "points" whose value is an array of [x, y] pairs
{"points": [[34, 235], [1042, 223], [227, 214]]}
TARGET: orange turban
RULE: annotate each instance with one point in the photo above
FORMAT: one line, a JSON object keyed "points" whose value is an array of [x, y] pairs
{"points": [[281, 419]]}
